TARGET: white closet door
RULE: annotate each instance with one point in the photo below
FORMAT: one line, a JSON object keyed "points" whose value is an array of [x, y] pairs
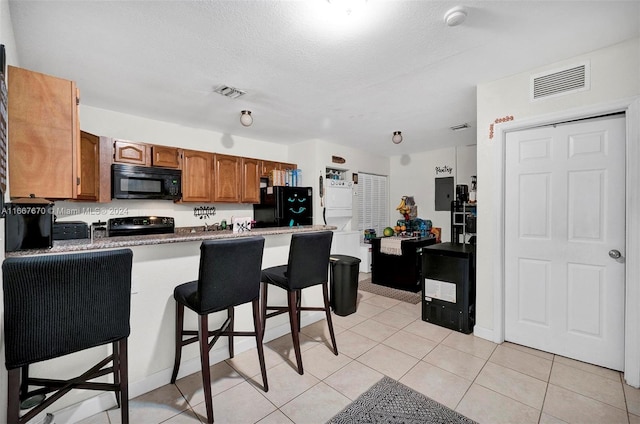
{"points": [[564, 214]]}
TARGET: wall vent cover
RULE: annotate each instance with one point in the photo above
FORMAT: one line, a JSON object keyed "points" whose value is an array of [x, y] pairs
{"points": [[571, 79]]}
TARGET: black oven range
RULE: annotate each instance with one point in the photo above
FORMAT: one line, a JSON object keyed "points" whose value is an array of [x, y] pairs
{"points": [[140, 225]]}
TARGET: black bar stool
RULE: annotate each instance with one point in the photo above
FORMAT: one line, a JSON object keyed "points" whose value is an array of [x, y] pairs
{"points": [[308, 265], [229, 276], [55, 305]]}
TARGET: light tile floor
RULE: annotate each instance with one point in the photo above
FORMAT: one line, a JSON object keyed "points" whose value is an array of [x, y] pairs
{"points": [[488, 383]]}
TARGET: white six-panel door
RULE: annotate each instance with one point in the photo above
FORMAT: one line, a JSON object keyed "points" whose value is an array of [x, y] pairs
{"points": [[564, 219]]}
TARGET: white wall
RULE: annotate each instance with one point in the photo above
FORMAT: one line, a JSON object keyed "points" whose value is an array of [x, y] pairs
{"points": [[315, 156], [615, 75], [415, 174]]}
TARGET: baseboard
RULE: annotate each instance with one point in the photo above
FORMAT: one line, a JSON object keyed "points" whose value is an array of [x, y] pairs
{"points": [[485, 333], [107, 400]]}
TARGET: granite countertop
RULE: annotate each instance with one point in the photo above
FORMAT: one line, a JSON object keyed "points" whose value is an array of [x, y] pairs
{"points": [[184, 234]]}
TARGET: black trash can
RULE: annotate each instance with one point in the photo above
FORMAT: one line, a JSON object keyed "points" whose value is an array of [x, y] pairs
{"points": [[344, 284]]}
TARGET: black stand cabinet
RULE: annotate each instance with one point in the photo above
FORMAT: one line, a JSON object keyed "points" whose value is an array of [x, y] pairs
{"points": [[449, 286], [402, 272]]}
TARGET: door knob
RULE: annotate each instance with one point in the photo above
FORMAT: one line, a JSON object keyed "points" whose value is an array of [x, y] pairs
{"points": [[615, 254]]}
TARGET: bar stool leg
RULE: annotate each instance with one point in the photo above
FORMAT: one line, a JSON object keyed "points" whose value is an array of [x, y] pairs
{"points": [[13, 401], [263, 305], [116, 371], [327, 310], [123, 372], [257, 325], [295, 326], [203, 336], [231, 315], [179, 329]]}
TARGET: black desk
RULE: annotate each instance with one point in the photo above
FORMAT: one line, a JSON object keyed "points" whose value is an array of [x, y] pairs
{"points": [[402, 272], [449, 286]]}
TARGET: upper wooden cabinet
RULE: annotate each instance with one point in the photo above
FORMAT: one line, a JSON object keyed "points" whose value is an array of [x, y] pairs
{"points": [[250, 189], [45, 154], [132, 153], [197, 172], [94, 175], [266, 166], [165, 156], [226, 178]]}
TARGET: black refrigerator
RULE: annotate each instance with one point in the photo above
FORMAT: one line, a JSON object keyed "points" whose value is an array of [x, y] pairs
{"points": [[283, 206]]}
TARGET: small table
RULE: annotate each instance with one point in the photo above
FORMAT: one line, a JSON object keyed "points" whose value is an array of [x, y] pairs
{"points": [[402, 272]]}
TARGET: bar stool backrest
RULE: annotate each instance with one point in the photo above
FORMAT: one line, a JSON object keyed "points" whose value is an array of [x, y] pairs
{"points": [[229, 272], [59, 304], [309, 259]]}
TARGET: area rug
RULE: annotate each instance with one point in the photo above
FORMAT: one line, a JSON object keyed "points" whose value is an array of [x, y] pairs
{"points": [[403, 295], [389, 401]]}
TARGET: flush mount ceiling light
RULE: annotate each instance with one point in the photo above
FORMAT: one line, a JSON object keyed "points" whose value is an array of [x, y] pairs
{"points": [[455, 16], [397, 137], [245, 118], [230, 92]]}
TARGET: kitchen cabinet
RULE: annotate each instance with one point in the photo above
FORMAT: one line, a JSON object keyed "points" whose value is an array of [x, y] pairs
{"points": [[94, 175], [266, 166], [131, 153], [44, 135], [250, 189], [226, 178], [197, 171], [165, 156], [403, 271]]}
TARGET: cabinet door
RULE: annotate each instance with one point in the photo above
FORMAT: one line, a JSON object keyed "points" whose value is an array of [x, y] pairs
{"points": [[284, 166], [165, 156], [266, 166], [43, 114], [197, 173], [250, 181], [88, 181], [132, 153], [226, 179]]}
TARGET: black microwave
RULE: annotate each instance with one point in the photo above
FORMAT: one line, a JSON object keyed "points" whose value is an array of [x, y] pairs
{"points": [[140, 182]]}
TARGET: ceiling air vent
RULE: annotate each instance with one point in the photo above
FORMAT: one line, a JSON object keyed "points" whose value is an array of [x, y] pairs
{"points": [[560, 81], [230, 92]]}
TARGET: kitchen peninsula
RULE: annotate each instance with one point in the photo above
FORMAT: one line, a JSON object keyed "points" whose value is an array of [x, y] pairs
{"points": [[184, 234], [160, 263]]}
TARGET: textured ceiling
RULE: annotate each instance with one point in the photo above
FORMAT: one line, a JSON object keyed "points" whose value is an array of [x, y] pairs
{"points": [[309, 72]]}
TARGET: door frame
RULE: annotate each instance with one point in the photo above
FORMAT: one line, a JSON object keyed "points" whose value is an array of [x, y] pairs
{"points": [[631, 107]]}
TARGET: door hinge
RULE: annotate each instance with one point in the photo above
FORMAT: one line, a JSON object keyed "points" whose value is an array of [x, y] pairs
{"points": [[77, 180]]}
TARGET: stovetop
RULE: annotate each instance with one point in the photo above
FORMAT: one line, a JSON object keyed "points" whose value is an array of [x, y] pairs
{"points": [[140, 225]]}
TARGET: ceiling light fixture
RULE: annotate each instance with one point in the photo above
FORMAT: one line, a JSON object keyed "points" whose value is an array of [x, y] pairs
{"points": [[455, 16], [397, 137], [245, 118]]}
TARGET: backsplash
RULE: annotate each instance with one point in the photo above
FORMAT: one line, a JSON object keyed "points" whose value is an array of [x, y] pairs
{"points": [[185, 215]]}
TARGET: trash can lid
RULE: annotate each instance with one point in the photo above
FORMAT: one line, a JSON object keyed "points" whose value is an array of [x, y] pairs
{"points": [[347, 260]]}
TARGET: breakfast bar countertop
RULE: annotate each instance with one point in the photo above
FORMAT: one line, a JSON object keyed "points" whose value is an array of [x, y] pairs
{"points": [[182, 234]]}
